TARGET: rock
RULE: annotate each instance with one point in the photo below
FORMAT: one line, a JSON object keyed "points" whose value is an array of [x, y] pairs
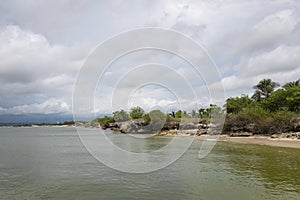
{"points": [[296, 124], [202, 126], [171, 125], [275, 136], [241, 134], [249, 127], [201, 132], [189, 132], [188, 126]]}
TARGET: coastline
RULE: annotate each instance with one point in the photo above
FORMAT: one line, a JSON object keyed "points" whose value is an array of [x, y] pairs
{"points": [[255, 139], [260, 140]]}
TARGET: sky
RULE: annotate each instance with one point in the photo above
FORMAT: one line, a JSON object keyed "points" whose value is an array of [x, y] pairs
{"points": [[45, 44]]}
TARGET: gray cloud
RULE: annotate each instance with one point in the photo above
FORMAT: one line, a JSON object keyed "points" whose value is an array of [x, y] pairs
{"points": [[43, 44]]}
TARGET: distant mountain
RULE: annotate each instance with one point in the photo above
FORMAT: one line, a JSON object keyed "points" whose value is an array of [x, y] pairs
{"points": [[33, 119]]}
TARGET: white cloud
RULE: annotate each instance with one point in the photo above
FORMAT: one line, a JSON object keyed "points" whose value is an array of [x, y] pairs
{"points": [[32, 67], [42, 52], [51, 106], [283, 58]]}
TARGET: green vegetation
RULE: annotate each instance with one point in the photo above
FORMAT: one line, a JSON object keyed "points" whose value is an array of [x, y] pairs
{"points": [[267, 112], [237, 104], [264, 89], [136, 112], [105, 121], [157, 119], [120, 116]]}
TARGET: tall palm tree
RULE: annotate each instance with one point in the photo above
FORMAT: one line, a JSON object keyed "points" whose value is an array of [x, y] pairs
{"points": [[265, 87], [256, 96], [292, 84]]}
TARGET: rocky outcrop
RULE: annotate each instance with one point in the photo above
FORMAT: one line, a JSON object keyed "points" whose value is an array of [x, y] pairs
{"points": [[296, 124], [193, 128], [169, 128], [171, 125], [241, 134], [294, 135]]}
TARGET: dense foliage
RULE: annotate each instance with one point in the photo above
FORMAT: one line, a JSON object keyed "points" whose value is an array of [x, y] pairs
{"points": [[121, 116], [137, 112], [105, 121], [268, 111]]}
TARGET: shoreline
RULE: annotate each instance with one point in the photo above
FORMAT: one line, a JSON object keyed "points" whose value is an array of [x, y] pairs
{"points": [[255, 139], [261, 140]]}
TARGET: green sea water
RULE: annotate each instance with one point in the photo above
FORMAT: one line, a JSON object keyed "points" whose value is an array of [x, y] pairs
{"points": [[51, 163]]}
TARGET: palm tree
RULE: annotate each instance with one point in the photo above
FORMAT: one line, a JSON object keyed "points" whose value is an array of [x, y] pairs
{"points": [[256, 96], [265, 87], [292, 84]]}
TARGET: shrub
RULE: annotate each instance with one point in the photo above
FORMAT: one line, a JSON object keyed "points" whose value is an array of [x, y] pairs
{"points": [[283, 99], [136, 112], [157, 120], [260, 121], [237, 104], [105, 121], [120, 116]]}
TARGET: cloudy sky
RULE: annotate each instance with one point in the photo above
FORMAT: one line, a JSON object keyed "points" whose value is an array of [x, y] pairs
{"points": [[44, 44]]}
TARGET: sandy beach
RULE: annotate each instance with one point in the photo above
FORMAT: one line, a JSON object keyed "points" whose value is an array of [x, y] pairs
{"points": [[260, 140]]}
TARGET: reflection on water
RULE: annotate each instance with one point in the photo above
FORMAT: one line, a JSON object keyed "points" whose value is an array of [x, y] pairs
{"points": [[51, 163]]}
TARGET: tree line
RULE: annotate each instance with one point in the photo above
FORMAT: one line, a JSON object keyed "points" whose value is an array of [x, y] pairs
{"points": [[270, 109]]}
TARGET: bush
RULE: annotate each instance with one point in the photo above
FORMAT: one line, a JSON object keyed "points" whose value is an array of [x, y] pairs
{"points": [[283, 121], [260, 121], [157, 120], [120, 116], [283, 99], [237, 104], [105, 121], [147, 119], [136, 113]]}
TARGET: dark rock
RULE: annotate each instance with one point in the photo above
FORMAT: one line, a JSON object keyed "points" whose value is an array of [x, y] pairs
{"points": [[275, 136], [188, 126], [241, 134], [171, 125]]}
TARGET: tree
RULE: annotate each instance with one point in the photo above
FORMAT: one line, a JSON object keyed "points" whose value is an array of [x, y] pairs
{"points": [[292, 84], [257, 96], [157, 119], [147, 119], [178, 114], [265, 87], [172, 114], [202, 112], [136, 112], [212, 110], [120, 116], [237, 104], [293, 99], [284, 99], [105, 121]]}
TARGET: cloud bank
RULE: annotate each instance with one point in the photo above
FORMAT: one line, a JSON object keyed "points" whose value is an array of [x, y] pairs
{"points": [[43, 45]]}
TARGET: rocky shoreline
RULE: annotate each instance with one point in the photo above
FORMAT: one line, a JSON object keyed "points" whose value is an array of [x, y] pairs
{"points": [[200, 128]]}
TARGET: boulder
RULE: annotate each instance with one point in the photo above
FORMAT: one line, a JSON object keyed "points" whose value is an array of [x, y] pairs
{"points": [[241, 134]]}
